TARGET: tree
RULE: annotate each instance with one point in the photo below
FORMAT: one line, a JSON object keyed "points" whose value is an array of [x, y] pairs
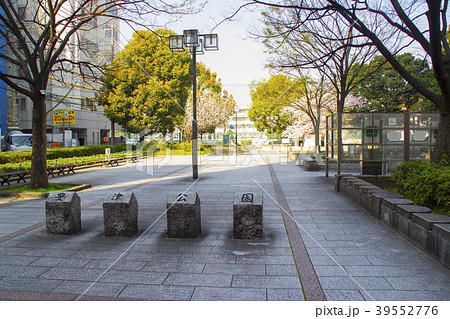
{"points": [[315, 100], [387, 91], [39, 34], [147, 85], [214, 105], [269, 100], [393, 27]]}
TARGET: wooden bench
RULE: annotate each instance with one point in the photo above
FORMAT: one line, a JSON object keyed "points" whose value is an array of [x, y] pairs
{"points": [[19, 174], [60, 170]]}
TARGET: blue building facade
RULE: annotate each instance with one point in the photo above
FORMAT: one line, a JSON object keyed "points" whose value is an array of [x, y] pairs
{"points": [[3, 87]]}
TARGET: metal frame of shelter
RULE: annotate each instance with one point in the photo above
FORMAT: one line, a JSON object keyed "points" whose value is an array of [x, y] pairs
{"points": [[375, 143]]}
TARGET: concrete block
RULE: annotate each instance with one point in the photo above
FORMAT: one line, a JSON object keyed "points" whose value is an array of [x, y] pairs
{"points": [[442, 234], [183, 215], [120, 214], [63, 213], [248, 216], [402, 217], [388, 206], [421, 230]]}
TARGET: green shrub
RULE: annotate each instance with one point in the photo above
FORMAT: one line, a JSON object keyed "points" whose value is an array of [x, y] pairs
{"points": [[61, 152], [425, 183], [246, 142]]}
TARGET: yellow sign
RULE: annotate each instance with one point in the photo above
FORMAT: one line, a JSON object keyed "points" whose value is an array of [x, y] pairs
{"points": [[64, 117]]}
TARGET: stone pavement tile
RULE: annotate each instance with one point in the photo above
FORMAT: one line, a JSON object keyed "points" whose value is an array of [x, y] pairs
{"points": [[329, 243], [17, 260], [229, 294], [276, 294], [281, 270], [22, 271], [207, 280], [318, 260], [185, 249], [343, 295], [72, 274], [278, 251], [152, 257], [277, 260], [207, 258], [13, 251], [29, 284], [312, 251], [168, 267], [330, 270], [238, 250], [248, 281], [385, 271], [99, 264], [134, 277], [84, 287], [234, 269], [73, 263], [50, 252], [47, 262], [95, 254], [400, 295], [157, 292], [358, 283], [403, 260], [415, 283]]}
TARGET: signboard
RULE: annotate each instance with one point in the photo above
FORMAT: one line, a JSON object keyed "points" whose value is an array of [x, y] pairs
{"points": [[64, 117], [226, 139], [68, 138]]}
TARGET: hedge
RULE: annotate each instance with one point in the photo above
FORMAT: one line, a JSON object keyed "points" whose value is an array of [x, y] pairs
{"points": [[61, 152], [425, 183]]}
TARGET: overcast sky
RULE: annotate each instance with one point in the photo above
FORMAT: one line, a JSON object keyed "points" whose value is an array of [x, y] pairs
{"points": [[240, 59]]}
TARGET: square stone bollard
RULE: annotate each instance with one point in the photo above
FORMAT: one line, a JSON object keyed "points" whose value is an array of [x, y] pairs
{"points": [[63, 213], [248, 216], [403, 215], [421, 230], [388, 208], [120, 214], [183, 215], [442, 234]]}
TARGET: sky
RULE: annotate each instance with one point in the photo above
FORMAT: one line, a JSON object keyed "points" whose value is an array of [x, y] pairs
{"points": [[240, 58]]}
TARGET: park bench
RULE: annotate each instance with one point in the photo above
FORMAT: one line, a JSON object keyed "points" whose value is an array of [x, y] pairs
{"points": [[19, 174], [61, 170]]}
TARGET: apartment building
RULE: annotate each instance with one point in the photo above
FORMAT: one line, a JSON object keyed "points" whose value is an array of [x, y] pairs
{"points": [[70, 95]]}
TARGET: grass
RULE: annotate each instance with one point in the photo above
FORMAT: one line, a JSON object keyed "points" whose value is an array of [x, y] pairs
{"points": [[25, 189]]}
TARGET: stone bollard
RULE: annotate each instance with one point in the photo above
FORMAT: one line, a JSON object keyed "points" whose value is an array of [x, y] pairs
{"points": [[421, 230], [120, 214], [183, 215], [63, 213], [248, 216], [442, 247], [388, 208]]}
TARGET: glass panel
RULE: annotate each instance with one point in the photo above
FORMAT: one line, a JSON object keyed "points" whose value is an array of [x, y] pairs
{"points": [[391, 165], [420, 136], [351, 152], [392, 120], [419, 152], [393, 136], [351, 136], [393, 152], [335, 151], [372, 153], [423, 120], [354, 120]]}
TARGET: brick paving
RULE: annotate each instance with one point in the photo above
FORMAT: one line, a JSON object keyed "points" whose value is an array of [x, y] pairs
{"points": [[338, 251]]}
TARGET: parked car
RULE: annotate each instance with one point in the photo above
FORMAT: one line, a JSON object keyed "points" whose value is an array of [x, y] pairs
{"points": [[16, 140]]}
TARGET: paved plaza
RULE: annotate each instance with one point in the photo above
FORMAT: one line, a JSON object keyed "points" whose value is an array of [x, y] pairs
{"points": [[317, 244]]}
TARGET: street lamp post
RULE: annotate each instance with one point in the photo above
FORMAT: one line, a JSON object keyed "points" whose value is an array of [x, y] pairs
{"points": [[236, 109], [195, 43]]}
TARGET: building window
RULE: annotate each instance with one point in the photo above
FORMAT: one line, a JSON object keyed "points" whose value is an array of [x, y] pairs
{"points": [[23, 103]]}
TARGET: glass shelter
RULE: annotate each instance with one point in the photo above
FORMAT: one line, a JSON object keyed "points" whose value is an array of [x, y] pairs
{"points": [[375, 143]]}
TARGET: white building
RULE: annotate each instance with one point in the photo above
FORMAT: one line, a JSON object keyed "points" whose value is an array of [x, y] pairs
{"points": [[245, 128], [70, 91]]}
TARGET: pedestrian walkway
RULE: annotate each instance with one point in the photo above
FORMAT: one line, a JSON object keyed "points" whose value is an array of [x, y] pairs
{"points": [[317, 245]]}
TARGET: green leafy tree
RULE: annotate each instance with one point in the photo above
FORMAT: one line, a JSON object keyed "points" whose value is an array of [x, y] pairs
{"points": [[387, 91], [147, 85], [214, 105], [269, 99]]}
